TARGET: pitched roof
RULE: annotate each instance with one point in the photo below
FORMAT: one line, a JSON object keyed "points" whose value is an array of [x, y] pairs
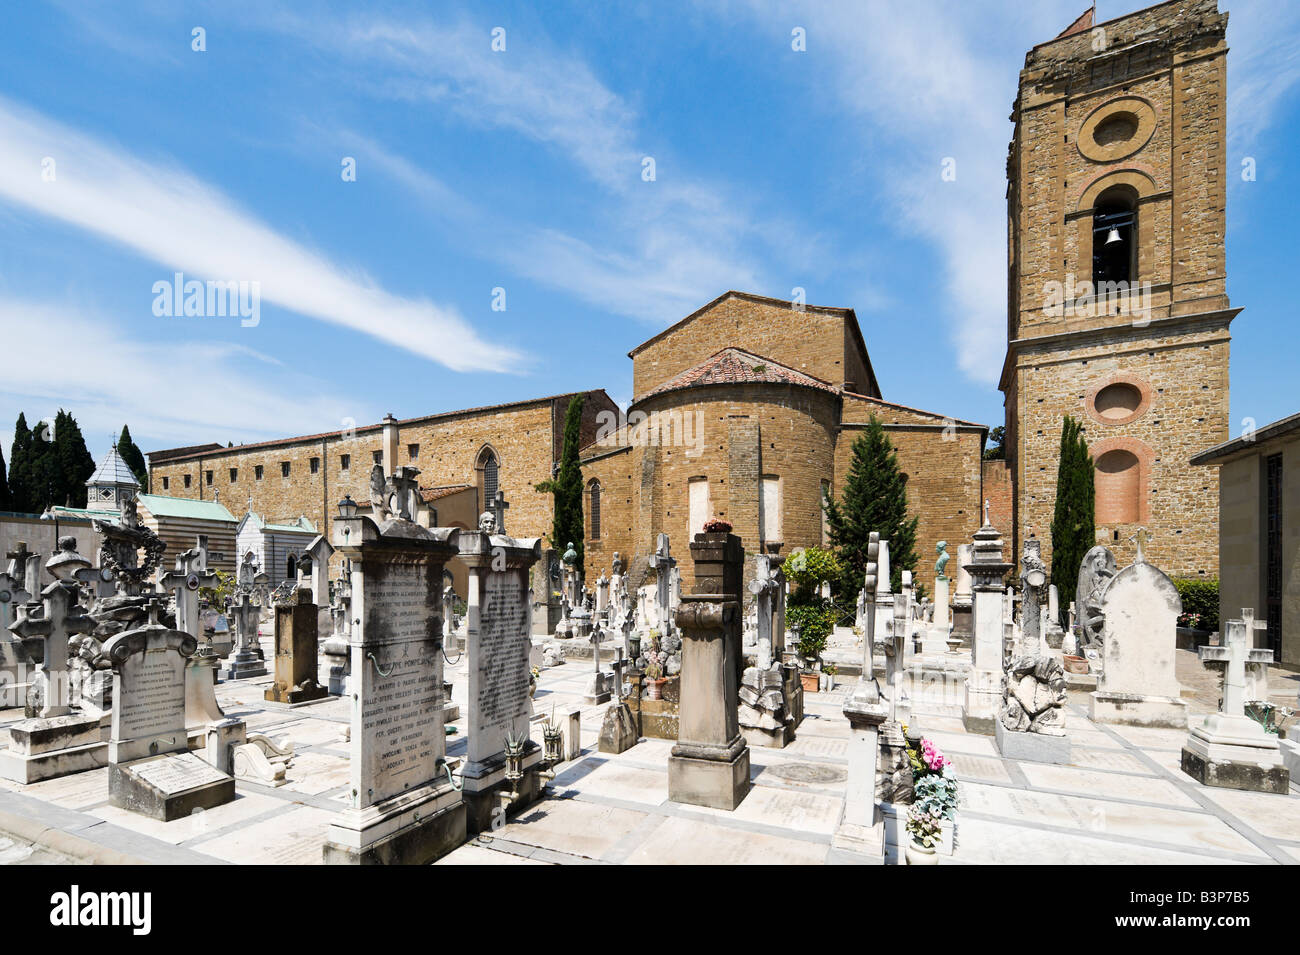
{"points": [[161, 506], [736, 366], [113, 470], [431, 494], [1083, 22], [1251, 442]]}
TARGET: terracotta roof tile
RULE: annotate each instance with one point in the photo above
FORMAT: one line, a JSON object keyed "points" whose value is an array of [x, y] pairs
{"points": [[736, 366]]}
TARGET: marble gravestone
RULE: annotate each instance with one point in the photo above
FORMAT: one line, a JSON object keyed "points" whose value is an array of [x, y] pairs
{"points": [[151, 770], [1137, 687], [402, 806], [296, 667], [57, 740], [499, 611]]}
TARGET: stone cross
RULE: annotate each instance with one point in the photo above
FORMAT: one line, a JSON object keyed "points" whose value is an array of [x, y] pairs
{"points": [[663, 562], [25, 563], [247, 614], [191, 574], [499, 508], [1234, 676], [12, 596], [1143, 536], [405, 490], [62, 619]]}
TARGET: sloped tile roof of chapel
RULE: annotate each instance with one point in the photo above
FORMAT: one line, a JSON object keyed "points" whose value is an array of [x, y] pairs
{"points": [[736, 366]]}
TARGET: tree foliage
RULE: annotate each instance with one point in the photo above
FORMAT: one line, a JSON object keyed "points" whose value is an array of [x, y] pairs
{"points": [[1073, 523], [874, 499], [566, 487], [48, 466], [133, 458]]}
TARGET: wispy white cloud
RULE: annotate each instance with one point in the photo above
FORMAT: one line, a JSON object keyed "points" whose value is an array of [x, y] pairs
{"points": [[112, 378], [174, 219], [1263, 68], [653, 250]]}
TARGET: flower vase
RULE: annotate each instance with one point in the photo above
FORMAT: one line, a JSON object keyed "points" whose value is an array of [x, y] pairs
{"points": [[918, 854]]}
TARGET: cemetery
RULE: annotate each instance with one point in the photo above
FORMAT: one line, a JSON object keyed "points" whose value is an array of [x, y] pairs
{"points": [[803, 625]]}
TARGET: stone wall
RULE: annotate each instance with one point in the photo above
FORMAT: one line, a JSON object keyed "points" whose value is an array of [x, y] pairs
{"points": [[998, 492], [822, 342], [941, 458], [526, 438], [748, 431]]}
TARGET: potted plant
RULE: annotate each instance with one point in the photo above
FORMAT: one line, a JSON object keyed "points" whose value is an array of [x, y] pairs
{"points": [[809, 616], [923, 835], [654, 673]]}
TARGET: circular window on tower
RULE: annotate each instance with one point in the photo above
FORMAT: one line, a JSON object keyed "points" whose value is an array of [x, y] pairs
{"points": [[1116, 129], [1119, 400]]}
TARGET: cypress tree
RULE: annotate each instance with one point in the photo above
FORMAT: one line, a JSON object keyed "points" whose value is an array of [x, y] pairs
{"points": [[566, 487], [4, 484], [874, 499], [72, 464], [20, 467], [1073, 522], [133, 458]]}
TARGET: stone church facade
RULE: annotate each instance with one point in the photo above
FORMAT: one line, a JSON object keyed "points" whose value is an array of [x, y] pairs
{"points": [[756, 403], [1118, 310], [746, 410]]}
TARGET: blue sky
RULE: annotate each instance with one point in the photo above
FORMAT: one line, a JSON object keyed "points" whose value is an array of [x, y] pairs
{"points": [[522, 170]]}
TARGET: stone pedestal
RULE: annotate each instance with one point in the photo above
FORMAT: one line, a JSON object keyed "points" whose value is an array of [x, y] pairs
{"points": [[1234, 752], [244, 665], [1032, 747], [168, 787], [44, 748], [295, 653], [1230, 750], [861, 828], [983, 692], [709, 765], [618, 731]]}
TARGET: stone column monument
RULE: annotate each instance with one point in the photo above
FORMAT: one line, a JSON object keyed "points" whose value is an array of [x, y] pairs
{"points": [[983, 695], [709, 765]]}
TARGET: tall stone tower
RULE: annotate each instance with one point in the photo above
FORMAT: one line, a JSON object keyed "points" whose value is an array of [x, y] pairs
{"points": [[1118, 310]]}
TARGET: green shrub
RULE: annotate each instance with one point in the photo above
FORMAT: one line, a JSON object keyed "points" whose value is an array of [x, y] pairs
{"points": [[1200, 598], [815, 621]]}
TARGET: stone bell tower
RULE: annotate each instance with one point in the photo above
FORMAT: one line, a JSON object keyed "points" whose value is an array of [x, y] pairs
{"points": [[1118, 310]]}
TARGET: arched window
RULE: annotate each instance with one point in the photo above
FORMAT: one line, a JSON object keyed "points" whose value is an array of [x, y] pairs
{"points": [[593, 508], [1114, 238], [1119, 488], [489, 474], [291, 568]]}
